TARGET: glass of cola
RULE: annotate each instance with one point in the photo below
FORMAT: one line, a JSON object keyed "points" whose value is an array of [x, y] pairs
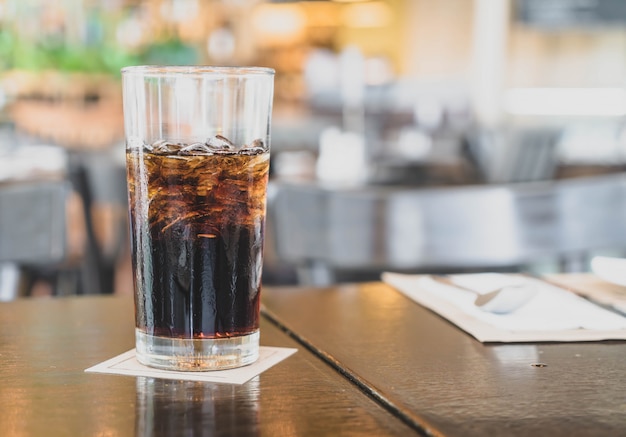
{"points": [[197, 155]]}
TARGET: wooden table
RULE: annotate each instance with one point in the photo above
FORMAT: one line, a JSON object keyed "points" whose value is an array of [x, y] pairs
{"points": [[45, 345], [369, 362], [442, 381]]}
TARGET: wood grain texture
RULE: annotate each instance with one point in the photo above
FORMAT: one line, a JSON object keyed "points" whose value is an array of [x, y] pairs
{"points": [[448, 382], [45, 345]]}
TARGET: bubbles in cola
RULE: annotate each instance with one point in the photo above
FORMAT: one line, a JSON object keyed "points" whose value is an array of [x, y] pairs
{"points": [[197, 223]]}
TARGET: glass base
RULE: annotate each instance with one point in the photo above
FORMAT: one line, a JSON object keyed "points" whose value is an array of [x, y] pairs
{"points": [[196, 355]]}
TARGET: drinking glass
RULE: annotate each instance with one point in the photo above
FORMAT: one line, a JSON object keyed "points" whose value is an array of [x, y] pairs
{"points": [[197, 155]]}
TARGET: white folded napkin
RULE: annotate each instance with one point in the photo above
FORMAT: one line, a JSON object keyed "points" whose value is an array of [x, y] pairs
{"points": [[611, 269], [553, 314]]}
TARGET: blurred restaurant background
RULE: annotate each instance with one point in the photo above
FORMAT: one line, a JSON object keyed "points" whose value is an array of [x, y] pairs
{"points": [[408, 135]]}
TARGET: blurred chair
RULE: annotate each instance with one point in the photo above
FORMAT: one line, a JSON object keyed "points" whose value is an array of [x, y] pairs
{"points": [[69, 232], [100, 181], [32, 228]]}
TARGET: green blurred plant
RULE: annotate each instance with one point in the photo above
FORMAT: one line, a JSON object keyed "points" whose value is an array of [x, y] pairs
{"points": [[16, 53], [169, 52], [99, 56]]}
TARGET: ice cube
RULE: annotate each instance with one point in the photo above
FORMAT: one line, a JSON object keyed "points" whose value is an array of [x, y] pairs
{"points": [[257, 143], [164, 147], [254, 148], [196, 149], [219, 143], [252, 151]]}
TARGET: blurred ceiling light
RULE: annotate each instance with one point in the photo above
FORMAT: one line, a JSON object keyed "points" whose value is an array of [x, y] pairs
{"points": [[321, 71], [279, 24], [179, 10], [130, 33], [321, 13], [221, 44], [372, 14], [566, 101]]}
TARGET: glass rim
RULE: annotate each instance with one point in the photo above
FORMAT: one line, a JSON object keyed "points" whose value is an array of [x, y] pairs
{"points": [[191, 70]]}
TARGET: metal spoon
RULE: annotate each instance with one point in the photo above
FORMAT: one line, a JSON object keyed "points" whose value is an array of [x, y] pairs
{"points": [[502, 300]]}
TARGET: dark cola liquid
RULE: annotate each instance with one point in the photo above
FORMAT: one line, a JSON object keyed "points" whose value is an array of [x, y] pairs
{"points": [[197, 220]]}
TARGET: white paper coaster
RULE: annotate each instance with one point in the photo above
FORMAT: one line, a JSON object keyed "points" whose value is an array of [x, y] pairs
{"points": [[127, 364]]}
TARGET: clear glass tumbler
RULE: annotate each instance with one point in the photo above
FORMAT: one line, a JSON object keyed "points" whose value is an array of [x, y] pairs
{"points": [[197, 154]]}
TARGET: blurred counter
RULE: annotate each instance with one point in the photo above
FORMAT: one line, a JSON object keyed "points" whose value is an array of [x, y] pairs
{"points": [[326, 230]]}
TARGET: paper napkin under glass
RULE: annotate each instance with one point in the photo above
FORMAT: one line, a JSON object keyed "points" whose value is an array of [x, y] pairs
{"points": [[127, 364], [553, 314]]}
